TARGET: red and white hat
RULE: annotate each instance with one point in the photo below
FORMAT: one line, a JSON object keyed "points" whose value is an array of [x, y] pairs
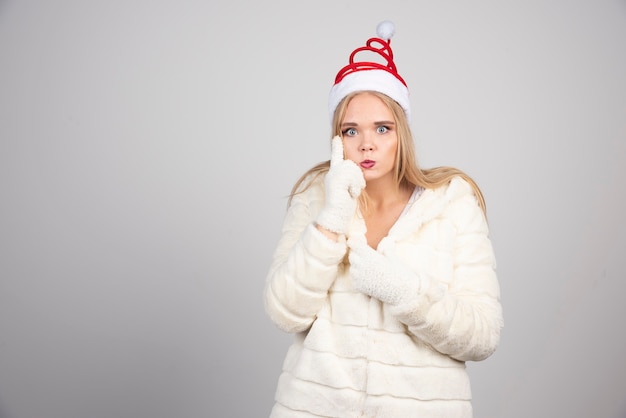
{"points": [[373, 76]]}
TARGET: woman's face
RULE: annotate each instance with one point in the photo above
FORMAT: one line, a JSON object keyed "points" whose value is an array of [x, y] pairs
{"points": [[369, 137]]}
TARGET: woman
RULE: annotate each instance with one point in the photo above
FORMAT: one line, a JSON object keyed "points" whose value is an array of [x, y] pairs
{"points": [[384, 272]]}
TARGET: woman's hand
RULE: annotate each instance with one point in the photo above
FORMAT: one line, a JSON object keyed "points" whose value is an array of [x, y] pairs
{"points": [[344, 183], [375, 275]]}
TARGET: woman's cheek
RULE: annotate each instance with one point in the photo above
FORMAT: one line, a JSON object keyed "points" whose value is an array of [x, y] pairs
{"points": [[350, 154]]}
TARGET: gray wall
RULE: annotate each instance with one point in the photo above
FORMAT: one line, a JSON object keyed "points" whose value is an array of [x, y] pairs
{"points": [[146, 148]]}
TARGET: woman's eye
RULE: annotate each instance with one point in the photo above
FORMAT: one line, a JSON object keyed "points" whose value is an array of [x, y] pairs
{"points": [[350, 132], [382, 129]]}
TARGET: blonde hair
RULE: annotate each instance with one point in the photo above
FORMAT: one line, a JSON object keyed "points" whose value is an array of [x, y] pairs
{"points": [[407, 172]]}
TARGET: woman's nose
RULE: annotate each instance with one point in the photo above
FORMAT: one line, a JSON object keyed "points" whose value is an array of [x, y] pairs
{"points": [[367, 143], [366, 146]]}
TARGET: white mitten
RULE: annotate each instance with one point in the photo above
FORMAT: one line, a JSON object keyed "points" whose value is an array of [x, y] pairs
{"points": [[377, 276], [344, 183]]}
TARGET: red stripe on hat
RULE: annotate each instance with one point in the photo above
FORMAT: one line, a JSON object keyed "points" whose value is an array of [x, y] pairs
{"points": [[384, 50]]}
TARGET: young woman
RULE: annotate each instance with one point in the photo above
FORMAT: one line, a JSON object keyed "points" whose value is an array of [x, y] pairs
{"points": [[384, 271]]}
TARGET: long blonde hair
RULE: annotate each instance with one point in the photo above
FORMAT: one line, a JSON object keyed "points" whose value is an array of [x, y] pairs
{"points": [[407, 172]]}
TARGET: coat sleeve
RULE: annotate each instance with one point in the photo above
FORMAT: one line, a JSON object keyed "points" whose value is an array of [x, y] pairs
{"points": [[304, 266], [462, 319]]}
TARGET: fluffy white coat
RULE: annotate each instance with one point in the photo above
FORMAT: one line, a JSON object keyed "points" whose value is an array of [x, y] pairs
{"points": [[355, 356]]}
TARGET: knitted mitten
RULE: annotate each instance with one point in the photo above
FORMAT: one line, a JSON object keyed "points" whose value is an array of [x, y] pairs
{"points": [[344, 183], [376, 275]]}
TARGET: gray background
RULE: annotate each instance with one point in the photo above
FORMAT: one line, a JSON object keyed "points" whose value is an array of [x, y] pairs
{"points": [[146, 148]]}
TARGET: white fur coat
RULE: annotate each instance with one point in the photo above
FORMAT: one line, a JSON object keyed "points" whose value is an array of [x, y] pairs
{"points": [[354, 356]]}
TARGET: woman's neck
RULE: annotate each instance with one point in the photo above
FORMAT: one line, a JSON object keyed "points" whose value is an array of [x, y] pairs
{"points": [[383, 206], [381, 194]]}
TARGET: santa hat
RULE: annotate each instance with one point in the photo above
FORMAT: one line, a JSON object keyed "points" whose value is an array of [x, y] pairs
{"points": [[373, 76]]}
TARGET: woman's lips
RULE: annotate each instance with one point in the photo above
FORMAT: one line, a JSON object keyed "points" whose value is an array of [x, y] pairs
{"points": [[367, 163]]}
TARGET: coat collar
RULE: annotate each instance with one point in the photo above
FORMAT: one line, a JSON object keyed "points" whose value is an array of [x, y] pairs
{"points": [[427, 207]]}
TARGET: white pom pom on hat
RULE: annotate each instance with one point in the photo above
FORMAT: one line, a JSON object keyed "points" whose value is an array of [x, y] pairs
{"points": [[372, 76], [385, 30]]}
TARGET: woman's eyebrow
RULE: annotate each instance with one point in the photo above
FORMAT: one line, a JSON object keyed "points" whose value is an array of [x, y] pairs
{"points": [[382, 122]]}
